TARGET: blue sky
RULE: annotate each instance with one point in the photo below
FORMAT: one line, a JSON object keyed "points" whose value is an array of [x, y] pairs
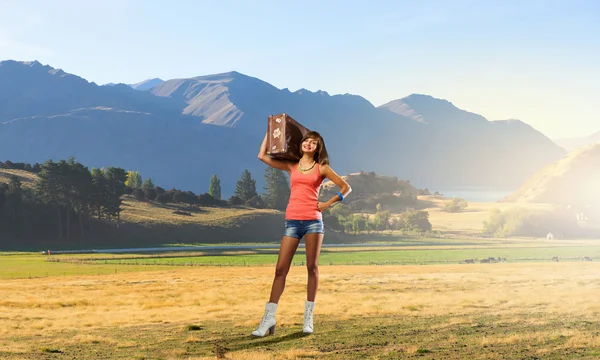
{"points": [[537, 61]]}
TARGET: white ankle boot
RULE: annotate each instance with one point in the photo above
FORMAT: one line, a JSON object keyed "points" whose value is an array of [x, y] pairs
{"points": [[268, 321], [309, 306]]}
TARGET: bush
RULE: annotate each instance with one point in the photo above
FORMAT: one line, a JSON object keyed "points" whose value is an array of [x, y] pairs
{"points": [[386, 201], [139, 194], [207, 200], [522, 222], [185, 197], [255, 202], [455, 205], [417, 220], [235, 201], [150, 193], [164, 198]]}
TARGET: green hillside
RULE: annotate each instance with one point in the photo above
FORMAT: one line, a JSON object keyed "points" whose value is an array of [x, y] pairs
{"points": [[370, 189], [370, 183]]}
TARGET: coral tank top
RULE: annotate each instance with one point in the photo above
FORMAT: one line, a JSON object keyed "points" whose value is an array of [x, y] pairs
{"points": [[304, 195]]}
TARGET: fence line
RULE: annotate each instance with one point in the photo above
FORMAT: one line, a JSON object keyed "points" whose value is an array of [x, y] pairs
{"points": [[402, 261]]}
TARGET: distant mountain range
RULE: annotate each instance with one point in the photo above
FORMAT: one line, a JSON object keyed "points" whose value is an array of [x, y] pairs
{"points": [[570, 144], [147, 84], [181, 131], [144, 85]]}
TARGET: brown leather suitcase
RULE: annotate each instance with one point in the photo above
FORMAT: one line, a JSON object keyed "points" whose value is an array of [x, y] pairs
{"points": [[285, 136]]}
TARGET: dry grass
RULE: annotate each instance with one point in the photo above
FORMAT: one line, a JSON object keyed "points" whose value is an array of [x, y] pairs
{"points": [[469, 221], [153, 214], [28, 179], [92, 311]]}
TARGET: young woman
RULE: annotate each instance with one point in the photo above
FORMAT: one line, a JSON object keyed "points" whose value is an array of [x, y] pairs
{"points": [[303, 219]]}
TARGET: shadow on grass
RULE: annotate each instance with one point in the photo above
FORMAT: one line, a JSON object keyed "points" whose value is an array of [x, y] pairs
{"points": [[191, 208], [243, 342]]}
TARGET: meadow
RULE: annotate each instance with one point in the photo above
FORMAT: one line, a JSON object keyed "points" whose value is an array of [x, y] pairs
{"points": [[350, 256], [403, 252], [539, 310], [388, 295]]}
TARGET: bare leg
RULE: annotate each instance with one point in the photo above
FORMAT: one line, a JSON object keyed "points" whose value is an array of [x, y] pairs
{"points": [[313, 249], [286, 254]]}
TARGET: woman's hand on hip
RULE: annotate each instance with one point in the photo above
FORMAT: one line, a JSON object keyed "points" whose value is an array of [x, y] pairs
{"points": [[323, 206]]}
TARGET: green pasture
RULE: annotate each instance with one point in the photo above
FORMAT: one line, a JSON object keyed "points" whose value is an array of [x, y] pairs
{"points": [[31, 265]]}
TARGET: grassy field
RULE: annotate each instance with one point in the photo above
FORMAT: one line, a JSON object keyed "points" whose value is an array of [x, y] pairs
{"points": [[359, 256], [426, 252], [26, 265], [504, 311]]}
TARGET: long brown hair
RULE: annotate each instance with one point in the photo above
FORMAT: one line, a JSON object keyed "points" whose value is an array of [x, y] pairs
{"points": [[321, 156]]}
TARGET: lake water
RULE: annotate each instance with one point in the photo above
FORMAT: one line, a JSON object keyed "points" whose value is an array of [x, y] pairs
{"points": [[474, 194]]}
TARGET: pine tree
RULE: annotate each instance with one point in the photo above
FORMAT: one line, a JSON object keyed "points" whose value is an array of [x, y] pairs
{"points": [[277, 189], [51, 189], [115, 178], [80, 186], [99, 191], [3, 195], [148, 189], [15, 203], [245, 188], [214, 189], [134, 180], [148, 184]]}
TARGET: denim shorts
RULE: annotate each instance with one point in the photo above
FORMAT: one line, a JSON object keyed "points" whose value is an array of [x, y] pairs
{"points": [[298, 228]]}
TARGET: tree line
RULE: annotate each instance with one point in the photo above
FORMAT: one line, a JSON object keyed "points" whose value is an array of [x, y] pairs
{"points": [[275, 194], [62, 201], [342, 217], [69, 202]]}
